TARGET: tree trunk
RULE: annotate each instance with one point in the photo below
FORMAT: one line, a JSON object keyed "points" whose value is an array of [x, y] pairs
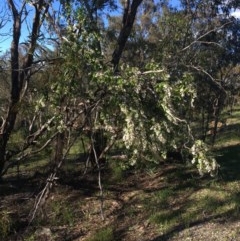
{"points": [[130, 11], [58, 151], [19, 74]]}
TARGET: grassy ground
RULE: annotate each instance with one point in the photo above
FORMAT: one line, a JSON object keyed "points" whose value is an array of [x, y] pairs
{"points": [[168, 202]]}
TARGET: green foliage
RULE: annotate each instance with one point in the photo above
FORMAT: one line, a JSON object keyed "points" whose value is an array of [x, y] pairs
{"points": [[5, 224], [62, 213], [117, 171], [163, 196], [149, 110], [104, 234], [166, 220], [178, 68], [172, 71]]}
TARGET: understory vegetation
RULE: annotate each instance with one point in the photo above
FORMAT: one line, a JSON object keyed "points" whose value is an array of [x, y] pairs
{"points": [[169, 201], [119, 120]]}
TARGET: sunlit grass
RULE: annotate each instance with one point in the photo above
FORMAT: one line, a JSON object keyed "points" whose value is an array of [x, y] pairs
{"points": [[166, 220], [104, 234], [193, 201]]}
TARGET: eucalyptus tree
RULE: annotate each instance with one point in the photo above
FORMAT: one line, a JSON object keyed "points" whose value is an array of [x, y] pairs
{"points": [[143, 113], [196, 39], [215, 49], [20, 70], [92, 80]]}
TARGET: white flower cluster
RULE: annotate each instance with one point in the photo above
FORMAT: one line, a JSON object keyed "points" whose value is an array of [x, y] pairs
{"points": [[128, 130], [134, 133], [157, 132], [205, 164]]}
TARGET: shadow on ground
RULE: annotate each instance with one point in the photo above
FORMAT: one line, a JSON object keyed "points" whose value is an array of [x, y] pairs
{"points": [[229, 161]]}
